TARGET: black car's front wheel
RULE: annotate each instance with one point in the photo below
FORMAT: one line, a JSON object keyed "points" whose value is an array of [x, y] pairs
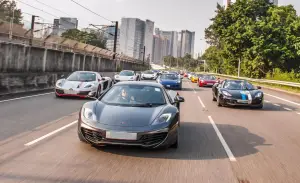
{"points": [[175, 144], [218, 102]]}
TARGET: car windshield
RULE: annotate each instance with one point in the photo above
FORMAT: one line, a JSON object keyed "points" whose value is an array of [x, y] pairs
{"points": [[148, 72], [209, 78], [134, 96], [238, 85], [200, 75], [82, 76], [126, 73], [169, 76]]}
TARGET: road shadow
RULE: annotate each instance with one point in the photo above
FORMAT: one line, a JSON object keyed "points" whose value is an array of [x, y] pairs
{"points": [[266, 107], [198, 141]]}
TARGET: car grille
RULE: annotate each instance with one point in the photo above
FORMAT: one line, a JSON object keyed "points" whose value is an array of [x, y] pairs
{"points": [[155, 138], [146, 139], [84, 93], [60, 91], [91, 135]]}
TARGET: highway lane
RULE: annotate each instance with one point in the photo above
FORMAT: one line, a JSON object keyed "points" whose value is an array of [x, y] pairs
{"points": [[265, 144]]}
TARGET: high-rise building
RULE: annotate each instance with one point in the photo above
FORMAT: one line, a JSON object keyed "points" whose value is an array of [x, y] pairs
{"points": [[187, 43], [148, 39], [134, 35], [63, 24], [160, 48], [172, 36], [109, 33]]}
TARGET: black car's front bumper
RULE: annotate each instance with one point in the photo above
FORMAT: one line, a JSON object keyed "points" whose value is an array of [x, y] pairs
{"points": [[148, 139], [225, 100]]}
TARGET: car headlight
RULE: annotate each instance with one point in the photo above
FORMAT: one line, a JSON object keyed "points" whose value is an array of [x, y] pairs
{"points": [[131, 78], [116, 76], [178, 81], [88, 114], [258, 95], [164, 118], [226, 93], [59, 84], [89, 86]]}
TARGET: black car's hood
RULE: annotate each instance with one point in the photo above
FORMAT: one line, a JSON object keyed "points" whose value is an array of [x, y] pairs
{"points": [[126, 116], [242, 94]]}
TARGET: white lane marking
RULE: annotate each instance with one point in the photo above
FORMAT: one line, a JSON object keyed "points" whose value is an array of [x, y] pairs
{"points": [[298, 113], [267, 101], [288, 109], [25, 97], [201, 102], [51, 133], [277, 105], [282, 99], [222, 140], [192, 88]]}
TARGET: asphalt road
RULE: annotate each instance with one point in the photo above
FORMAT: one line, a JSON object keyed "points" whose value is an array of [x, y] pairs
{"points": [[38, 143]]}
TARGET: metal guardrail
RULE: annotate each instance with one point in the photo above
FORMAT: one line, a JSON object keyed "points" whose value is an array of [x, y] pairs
{"points": [[283, 83]]}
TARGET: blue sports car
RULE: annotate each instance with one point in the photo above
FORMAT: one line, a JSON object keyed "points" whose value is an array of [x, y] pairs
{"points": [[170, 81]]}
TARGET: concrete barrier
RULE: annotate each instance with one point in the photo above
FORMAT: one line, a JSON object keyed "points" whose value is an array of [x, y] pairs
{"points": [[24, 68]]}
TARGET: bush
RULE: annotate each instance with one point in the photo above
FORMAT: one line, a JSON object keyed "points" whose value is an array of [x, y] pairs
{"points": [[283, 76]]}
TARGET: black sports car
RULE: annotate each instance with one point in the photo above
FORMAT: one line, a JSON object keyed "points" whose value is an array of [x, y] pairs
{"points": [[132, 113], [237, 93]]}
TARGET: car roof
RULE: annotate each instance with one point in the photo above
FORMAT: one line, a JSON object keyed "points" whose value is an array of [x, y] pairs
{"points": [[144, 83], [127, 70], [86, 72], [235, 80]]}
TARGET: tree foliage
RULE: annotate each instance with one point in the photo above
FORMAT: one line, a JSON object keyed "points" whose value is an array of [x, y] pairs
{"points": [[263, 36], [8, 10], [85, 37], [186, 62]]}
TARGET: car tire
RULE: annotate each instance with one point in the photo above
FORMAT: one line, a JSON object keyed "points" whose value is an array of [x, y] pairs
{"points": [[218, 102], [175, 145], [214, 98]]}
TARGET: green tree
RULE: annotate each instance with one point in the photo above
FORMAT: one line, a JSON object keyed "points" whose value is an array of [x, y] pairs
{"points": [[85, 37], [8, 9]]}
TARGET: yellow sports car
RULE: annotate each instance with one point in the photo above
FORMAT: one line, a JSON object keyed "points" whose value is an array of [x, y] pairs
{"points": [[194, 78]]}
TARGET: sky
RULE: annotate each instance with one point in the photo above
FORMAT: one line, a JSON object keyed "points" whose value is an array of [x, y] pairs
{"points": [[171, 15]]}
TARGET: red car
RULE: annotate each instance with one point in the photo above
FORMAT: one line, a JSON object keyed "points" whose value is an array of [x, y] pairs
{"points": [[207, 80], [185, 75]]}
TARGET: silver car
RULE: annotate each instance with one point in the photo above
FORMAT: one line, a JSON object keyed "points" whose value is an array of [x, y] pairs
{"points": [[83, 83]]}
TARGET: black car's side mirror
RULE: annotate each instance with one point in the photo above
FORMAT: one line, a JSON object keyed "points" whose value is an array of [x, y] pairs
{"points": [[179, 99], [259, 87]]}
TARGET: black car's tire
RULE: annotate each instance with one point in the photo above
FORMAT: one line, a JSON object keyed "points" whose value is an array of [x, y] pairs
{"points": [[214, 98], [218, 102], [260, 106], [98, 92], [175, 145]]}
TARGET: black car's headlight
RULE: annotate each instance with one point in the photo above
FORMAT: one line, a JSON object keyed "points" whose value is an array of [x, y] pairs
{"points": [[258, 95], [226, 93], [164, 118], [88, 114]]}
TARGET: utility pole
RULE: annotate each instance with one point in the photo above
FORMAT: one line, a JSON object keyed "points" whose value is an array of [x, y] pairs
{"points": [[115, 39], [32, 29], [239, 67], [11, 26], [144, 55]]}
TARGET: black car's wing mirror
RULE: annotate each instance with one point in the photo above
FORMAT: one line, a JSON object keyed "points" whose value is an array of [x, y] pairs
{"points": [[91, 95], [179, 99], [259, 87]]}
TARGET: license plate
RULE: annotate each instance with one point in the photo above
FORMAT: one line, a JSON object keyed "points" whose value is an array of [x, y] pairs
{"points": [[210, 84], [121, 135], [72, 92], [168, 86], [243, 101]]}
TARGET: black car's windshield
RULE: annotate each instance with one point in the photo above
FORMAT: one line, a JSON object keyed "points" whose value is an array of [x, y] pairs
{"points": [[209, 78], [134, 96], [238, 85], [148, 72], [82, 76], [169, 76], [126, 73]]}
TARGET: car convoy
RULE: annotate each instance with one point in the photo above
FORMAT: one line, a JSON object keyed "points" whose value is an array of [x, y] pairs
{"points": [[131, 112]]}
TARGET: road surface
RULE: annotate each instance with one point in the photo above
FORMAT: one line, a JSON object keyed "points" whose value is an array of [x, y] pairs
{"points": [[38, 143]]}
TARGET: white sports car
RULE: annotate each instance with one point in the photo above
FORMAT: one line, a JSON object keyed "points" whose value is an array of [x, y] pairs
{"points": [[83, 83], [127, 75], [149, 75]]}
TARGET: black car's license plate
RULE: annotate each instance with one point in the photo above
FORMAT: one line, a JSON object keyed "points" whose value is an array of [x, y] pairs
{"points": [[243, 101]]}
